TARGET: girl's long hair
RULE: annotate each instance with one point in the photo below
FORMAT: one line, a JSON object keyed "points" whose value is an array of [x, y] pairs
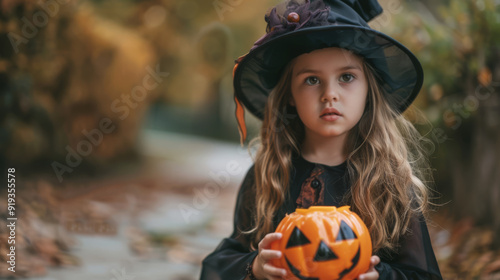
{"points": [[386, 164]]}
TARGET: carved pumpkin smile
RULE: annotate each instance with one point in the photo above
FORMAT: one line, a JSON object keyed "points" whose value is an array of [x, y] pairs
{"points": [[296, 272], [322, 243]]}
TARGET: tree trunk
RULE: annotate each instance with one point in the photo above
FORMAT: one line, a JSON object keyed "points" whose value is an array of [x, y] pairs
{"points": [[475, 160]]}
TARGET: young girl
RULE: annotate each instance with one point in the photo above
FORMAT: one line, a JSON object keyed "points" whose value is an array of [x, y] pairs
{"points": [[331, 91]]}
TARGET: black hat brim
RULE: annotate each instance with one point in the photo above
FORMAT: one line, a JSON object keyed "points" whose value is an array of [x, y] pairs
{"points": [[399, 71]]}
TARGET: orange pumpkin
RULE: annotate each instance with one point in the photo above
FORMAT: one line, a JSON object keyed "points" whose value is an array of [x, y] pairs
{"points": [[323, 242]]}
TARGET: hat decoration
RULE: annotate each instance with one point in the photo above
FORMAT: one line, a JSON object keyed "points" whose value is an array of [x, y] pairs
{"points": [[297, 16]]}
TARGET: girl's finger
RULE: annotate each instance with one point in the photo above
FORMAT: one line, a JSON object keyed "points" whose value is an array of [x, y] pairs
{"points": [[268, 239], [375, 260], [370, 275], [267, 254], [274, 271]]}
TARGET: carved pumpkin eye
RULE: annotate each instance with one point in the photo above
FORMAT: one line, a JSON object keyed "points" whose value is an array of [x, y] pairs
{"points": [[324, 253], [323, 243], [345, 232], [297, 238]]}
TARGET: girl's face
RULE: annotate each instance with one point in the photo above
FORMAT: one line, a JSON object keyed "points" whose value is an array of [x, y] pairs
{"points": [[329, 90]]}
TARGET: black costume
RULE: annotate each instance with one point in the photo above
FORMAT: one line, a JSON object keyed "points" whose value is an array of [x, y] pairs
{"points": [[315, 184], [295, 27]]}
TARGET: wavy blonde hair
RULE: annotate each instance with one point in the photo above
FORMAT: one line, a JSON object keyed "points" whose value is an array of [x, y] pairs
{"points": [[386, 164]]}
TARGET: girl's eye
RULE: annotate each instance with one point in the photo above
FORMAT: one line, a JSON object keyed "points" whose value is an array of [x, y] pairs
{"points": [[346, 78], [312, 80]]}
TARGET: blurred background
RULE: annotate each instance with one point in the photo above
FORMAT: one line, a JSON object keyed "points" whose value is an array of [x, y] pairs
{"points": [[117, 121]]}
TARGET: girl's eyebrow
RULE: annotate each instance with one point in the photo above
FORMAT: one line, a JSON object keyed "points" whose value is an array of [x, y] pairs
{"points": [[306, 71], [351, 66], [347, 67]]}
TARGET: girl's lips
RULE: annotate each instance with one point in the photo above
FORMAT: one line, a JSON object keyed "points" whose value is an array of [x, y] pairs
{"points": [[330, 114], [330, 117]]}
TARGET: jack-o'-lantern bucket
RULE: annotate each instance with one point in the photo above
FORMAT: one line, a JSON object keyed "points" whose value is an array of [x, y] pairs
{"points": [[323, 243]]}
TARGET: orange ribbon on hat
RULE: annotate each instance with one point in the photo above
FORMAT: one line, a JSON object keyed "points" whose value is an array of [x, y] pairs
{"points": [[240, 117], [240, 111]]}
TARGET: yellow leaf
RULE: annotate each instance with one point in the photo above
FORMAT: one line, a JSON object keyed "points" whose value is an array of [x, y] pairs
{"points": [[484, 76], [436, 91]]}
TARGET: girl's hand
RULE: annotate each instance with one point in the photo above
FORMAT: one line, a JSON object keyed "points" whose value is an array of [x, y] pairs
{"points": [[262, 269], [371, 274]]}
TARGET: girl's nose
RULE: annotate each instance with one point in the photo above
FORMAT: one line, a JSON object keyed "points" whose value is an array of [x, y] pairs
{"points": [[330, 93]]}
